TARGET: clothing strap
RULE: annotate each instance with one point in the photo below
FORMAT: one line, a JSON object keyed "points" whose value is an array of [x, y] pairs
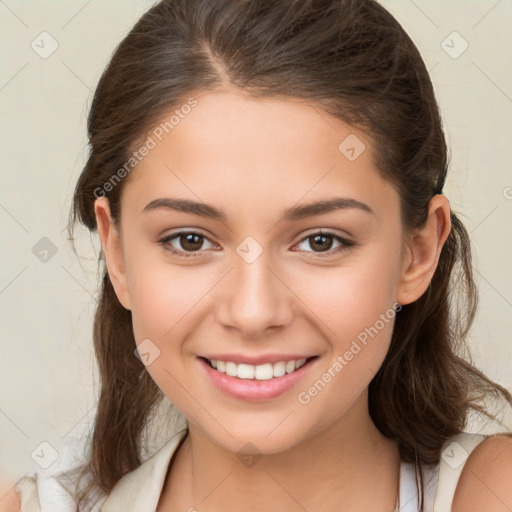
{"points": [[454, 454]]}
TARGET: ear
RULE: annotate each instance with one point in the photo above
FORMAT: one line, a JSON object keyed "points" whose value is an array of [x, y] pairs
{"points": [[422, 251], [112, 249]]}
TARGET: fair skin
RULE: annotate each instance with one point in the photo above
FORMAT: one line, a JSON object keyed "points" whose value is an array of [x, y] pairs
{"points": [[253, 159]]}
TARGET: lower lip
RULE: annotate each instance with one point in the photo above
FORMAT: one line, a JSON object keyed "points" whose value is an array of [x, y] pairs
{"points": [[256, 390]]}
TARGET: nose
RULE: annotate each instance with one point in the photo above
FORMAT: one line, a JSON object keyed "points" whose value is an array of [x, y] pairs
{"points": [[254, 298]]}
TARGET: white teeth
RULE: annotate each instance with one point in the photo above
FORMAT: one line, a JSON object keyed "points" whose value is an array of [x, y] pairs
{"points": [[260, 372], [279, 369], [290, 366], [245, 371], [263, 372], [230, 369], [301, 362]]}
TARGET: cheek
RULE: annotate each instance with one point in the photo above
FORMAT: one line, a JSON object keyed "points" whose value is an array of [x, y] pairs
{"points": [[165, 297], [166, 303], [355, 304], [359, 332], [353, 296]]}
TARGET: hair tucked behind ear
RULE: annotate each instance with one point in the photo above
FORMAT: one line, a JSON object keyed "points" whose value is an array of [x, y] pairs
{"points": [[350, 59]]}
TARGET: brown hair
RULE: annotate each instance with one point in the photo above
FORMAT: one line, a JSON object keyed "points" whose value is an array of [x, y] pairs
{"points": [[352, 60]]}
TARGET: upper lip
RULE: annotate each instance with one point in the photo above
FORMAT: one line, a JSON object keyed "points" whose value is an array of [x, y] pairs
{"points": [[257, 360]]}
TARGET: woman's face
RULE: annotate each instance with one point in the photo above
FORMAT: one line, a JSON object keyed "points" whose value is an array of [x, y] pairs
{"points": [[259, 283]]}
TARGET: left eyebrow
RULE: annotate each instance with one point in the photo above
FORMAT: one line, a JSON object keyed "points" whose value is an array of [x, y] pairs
{"points": [[324, 206], [292, 214]]}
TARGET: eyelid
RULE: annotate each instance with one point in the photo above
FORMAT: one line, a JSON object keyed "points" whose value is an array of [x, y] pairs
{"points": [[327, 231], [346, 243], [166, 239]]}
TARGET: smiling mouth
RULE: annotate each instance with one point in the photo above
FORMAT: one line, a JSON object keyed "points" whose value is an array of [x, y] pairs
{"points": [[266, 371]]}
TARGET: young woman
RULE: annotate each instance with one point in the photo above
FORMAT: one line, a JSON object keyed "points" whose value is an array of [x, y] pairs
{"points": [[266, 179]]}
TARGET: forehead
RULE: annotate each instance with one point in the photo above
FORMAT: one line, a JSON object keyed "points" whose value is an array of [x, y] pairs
{"points": [[230, 147], [254, 129]]}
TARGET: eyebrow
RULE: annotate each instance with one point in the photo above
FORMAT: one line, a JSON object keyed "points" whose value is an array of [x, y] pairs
{"points": [[292, 214]]}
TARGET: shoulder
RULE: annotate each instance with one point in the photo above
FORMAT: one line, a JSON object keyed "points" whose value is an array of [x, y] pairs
{"points": [[10, 500], [486, 480]]}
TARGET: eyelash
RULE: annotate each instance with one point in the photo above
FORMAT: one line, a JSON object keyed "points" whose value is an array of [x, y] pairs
{"points": [[346, 244]]}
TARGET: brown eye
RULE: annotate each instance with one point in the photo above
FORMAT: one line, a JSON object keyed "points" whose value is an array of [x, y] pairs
{"points": [[322, 243], [184, 243], [191, 241]]}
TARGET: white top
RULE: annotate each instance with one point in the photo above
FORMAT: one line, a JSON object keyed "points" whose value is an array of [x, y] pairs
{"points": [[139, 490]]}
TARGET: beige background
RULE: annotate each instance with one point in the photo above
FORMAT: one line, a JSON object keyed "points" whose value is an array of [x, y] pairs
{"points": [[47, 366]]}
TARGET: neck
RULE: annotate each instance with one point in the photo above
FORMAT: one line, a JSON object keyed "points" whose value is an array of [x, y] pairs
{"points": [[350, 463]]}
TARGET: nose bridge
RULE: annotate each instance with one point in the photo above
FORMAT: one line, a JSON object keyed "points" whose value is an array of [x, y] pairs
{"points": [[253, 297]]}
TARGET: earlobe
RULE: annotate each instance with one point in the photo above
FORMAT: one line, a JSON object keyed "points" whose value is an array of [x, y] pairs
{"points": [[112, 249], [423, 251]]}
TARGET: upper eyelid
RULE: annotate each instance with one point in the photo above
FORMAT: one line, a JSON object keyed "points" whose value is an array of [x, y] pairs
{"points": [[315, 231]]}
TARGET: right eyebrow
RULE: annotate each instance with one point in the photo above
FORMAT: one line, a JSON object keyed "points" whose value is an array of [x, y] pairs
{"points": [[186, 206]]}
